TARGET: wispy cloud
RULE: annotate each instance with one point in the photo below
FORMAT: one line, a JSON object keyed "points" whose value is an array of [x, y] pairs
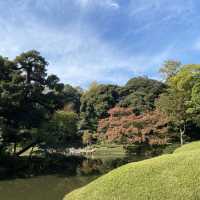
{"points": [[106, 64], [79, 58], [150, 7], [153, 13], [80, 47], [196, 45], [103, 3]]}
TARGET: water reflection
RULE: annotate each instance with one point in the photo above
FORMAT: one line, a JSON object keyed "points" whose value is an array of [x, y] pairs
{"points": [[52, 178]]}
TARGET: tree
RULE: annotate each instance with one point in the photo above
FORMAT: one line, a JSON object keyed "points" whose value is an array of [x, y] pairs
{"points": [[28, 98], [11, 89], [87, 137], [170, 68], [95, 103], [179, 99], [61, 131], [194, 104], [72, 98], [123, 126], [173, 105], [140, 93]]}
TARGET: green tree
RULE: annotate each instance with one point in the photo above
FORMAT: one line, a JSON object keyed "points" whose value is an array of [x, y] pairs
{"points": [[194, 104], [28, 98], [95, 103], [140, 93], [11, 90], [72, 98], [61, 131], [173, 104], [177, 102], [87, 137], [170, 68]]}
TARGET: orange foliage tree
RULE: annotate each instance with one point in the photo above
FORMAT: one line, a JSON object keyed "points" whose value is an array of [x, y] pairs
{"points": [[123, 126]]}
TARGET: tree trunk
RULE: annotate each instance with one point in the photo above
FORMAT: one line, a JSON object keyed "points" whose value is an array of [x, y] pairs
{"points": [[30, 155], [28, 76], [182, 132], [181, 138], [26, 148], [14, 148]]}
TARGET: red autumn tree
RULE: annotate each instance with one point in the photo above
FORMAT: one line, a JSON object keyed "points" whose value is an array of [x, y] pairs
{"points": [[123, 126]]}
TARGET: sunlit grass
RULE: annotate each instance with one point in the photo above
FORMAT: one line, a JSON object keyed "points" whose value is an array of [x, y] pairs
{"points": [[168, 177], [194, 146], [109, 149]]}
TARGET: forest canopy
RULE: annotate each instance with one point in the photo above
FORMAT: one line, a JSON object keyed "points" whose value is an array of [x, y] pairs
{"points": [[37, 109]]}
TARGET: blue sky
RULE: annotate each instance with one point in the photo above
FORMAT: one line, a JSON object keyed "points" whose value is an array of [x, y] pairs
{"points": [[107, 41]]}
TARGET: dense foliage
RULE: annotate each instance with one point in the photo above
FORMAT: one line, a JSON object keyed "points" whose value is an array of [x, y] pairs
{"points": [[28, 97], [140, 94], [60, 132], [36, 109], [123, 126], [95, 103], [181, 101], [72, 98]]}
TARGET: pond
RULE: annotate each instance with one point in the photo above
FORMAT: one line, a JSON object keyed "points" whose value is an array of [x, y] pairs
{"points": [[54, 186]]}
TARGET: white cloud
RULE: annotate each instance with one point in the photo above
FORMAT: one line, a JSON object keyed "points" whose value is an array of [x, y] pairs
{"points": [[105, 64], [76, 52], [196, 45], [177, 6], [113, 4], [103, 3], [78, 57], [161, 11]]}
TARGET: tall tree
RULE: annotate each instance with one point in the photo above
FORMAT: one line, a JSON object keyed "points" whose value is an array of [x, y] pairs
{"points": [[60, 132], [140, 93], [123, 126], [28, 97], [95, 103], [72, 98], [170, 68], [173, 104], [177, 102]]}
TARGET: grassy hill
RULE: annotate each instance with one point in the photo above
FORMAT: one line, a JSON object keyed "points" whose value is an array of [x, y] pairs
{"points": [[194, 146], [168, 177]]}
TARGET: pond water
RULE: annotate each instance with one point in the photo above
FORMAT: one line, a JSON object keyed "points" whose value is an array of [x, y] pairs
{"points": [[54, 186]]}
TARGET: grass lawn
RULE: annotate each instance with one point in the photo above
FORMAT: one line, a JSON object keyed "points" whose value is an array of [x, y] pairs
{"points": [[110, 149], [194, 146], [169, 177]]}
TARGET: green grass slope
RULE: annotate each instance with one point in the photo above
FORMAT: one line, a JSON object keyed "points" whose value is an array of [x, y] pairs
{"points": [[168, 177], [194, 146]]}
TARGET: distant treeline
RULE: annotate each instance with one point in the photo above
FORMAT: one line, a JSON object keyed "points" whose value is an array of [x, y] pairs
{"points": [[37, 109]]}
